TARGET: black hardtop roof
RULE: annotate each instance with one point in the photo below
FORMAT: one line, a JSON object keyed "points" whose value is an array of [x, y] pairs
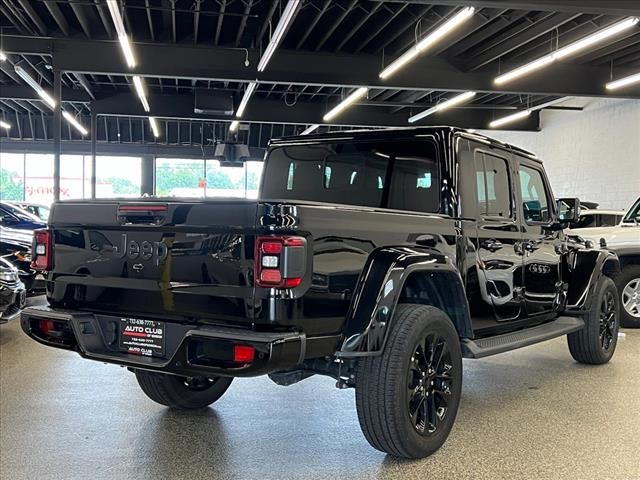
{"points": [[397, 132]]}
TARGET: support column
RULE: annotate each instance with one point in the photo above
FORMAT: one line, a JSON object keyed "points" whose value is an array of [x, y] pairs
{"points": [[94, 135], [147, 174], [57, 116]]}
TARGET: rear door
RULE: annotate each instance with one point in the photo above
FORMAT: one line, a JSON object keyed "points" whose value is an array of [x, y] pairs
{"points": [[497, 233], [540, 244]]}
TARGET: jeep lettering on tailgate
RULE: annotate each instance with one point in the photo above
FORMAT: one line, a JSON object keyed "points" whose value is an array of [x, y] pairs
{"points": [[146, 250]]}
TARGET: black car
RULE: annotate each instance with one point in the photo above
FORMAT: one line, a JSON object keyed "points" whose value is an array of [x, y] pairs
{"points": [[12, 292], [379, 258], [15, 247]]}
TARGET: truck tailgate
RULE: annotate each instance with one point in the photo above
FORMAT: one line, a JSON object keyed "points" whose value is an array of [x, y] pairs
{"points": [[166, 259]]}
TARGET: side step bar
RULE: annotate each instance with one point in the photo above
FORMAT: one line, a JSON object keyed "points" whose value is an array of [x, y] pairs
{"points": [[483, 347]]}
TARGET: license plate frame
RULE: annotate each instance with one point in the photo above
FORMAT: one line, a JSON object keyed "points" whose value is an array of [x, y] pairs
{"points": [[142, 337]]}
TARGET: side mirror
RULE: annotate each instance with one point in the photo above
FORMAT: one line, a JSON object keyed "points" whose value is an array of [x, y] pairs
{"points": [[568, 210]]}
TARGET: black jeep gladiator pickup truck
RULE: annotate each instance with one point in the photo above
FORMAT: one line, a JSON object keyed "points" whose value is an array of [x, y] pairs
{"points": [[380, 258]]}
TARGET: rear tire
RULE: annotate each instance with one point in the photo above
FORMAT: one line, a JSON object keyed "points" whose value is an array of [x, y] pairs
{"points": [[628, 283], [407, 398], [597, 341], [182, 393]]}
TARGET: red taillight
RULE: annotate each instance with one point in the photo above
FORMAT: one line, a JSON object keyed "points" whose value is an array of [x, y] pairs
{"points": [[243, 353], [42, 254], [47, 326], [280, 261]]}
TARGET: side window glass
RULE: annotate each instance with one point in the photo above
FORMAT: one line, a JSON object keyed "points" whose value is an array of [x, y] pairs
{"points": [[492, 181], [535, 205]]}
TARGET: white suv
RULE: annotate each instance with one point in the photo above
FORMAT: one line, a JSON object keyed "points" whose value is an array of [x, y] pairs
{"points": [[624, 239]]}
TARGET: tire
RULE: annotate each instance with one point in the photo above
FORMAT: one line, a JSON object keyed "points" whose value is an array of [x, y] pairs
{"points": [[182, 393], [628, 283], [597, 341], [383, 399]]}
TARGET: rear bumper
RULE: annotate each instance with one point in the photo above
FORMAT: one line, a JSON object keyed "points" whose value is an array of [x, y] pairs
{"points": [[190, 350]]}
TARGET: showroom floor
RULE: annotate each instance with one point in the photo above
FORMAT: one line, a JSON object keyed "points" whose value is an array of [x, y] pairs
{"points": [[532, 413]]}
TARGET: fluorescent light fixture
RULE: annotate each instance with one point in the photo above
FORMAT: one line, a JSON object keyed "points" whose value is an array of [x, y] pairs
{"points": [[5, 125], [510, 118], [35, 85], [234, 126], [309, 129], [427, 41], [525, 113], [71, 119], [567, 51], [125, 45], [623, 82], [343, 105], [3, 57], [463, 97], [287, 15], [154, 127], [138, 83], [245, 98]]}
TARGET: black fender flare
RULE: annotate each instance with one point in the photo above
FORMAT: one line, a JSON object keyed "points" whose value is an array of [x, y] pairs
{"points": [[586, 267], [379, 288]]}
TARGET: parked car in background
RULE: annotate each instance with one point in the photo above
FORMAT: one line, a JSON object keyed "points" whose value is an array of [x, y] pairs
{"points": [[15, 247], [623, 239], [595, 217], [40, 211], [12, 216], [12, 292]]}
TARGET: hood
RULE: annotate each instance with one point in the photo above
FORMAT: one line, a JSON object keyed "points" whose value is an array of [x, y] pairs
{"points": [[620, 236]]}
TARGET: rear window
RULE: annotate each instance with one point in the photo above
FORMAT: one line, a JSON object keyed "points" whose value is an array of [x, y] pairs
{"points": [[397, 175]]}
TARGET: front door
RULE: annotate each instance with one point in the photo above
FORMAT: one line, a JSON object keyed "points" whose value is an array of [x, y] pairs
{"points": [[540, 244]]}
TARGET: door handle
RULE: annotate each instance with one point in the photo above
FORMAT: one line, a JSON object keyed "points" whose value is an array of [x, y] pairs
{"points": [[531, 245], [491, 244]]}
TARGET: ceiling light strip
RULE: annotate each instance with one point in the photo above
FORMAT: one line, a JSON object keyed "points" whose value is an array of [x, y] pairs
{"points": [[427, 41], [567, 51], [35, 85], [288, 15], [245, 98], [458, 99], [71, 119], [352, 98], [623, 82], [310, 129], [125, 45], [138, 83], [510, 118], [154, 127], [5, 125], [3, 56], [234, 126]]}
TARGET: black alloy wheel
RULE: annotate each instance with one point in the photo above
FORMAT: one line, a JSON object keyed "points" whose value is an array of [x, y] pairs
{"points": [[607, 320], [429, 383]]}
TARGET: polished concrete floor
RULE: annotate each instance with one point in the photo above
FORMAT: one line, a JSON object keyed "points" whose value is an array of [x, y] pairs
{"points": [[533, 413]]}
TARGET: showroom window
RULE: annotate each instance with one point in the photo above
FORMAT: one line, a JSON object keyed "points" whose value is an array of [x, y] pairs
{"points": [[176, 177], [11, 176], [118, 177]]}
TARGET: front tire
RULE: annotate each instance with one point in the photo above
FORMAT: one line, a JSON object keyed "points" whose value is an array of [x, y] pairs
{"points": [[182, 393], [628, 283], [597, 341], [407, 398]]}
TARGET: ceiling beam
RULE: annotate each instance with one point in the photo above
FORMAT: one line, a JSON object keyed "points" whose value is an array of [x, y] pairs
{"points": [[314, 69], [610, 7], [261, 110], [20, 92]]}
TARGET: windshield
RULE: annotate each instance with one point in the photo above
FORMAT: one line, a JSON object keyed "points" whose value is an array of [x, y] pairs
{"points": [[21, 214], [633, 215]]}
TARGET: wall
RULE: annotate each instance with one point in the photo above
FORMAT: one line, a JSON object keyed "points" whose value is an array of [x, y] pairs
{"points": [[593, 154]]}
